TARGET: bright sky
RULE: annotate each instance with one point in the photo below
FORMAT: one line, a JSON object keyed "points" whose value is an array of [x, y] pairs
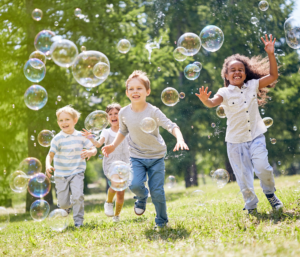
{"points": [[296, 12]]}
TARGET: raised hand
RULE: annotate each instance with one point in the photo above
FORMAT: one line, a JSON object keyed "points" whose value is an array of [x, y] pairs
{"points": [[87, 134], [180, 145], [203, 96], [108, 149], [269, 44]]}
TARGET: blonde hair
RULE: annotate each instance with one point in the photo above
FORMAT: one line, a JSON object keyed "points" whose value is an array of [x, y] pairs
{"points": [[70, 110], [141, 76], [113, 106]]}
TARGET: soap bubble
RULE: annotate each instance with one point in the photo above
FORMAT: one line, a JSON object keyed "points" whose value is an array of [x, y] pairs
{"points": [[199, 64], [4, 218], [247, 194], [213, 125], [148, 125], [58, 220], [39, 210], [295, 128], [170, 96], [220, 111], [268, 121], [254, 20], [263, 5], [180, 54], [43, 41], [83, 68], [171, 181], [37, 14], [18, 181], [123, 46], [38, 55], [273, 141], [35, 97], [120, 176], [32, 137], [191, 42], [181, 95], [31, 166], [83, 48], [64, 53], [158, 69], [39, 185], [198, 197], [221, 177], [101, 70], [262, 111], [96, 121], [34, 70], [212, 38], [59, 98], [191, 71], [77, 12], [45, 137], [292, 32], [279, 162]]}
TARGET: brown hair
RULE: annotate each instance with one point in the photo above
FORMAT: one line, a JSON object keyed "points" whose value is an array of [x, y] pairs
{"points": [[141, 76], [70, 110], [255, 68], [113, 106]]}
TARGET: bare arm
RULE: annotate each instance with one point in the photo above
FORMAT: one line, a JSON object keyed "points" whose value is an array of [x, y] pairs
{"points": [[90, 136], [180, 141], [204, 98], [269, 48], [106, 150], [49, 168]]}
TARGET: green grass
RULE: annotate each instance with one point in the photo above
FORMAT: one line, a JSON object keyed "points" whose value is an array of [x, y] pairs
{"points": [[220, 228]]}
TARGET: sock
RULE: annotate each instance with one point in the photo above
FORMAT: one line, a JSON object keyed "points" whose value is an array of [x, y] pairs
{"points": [[110, 196], [118, 208]]}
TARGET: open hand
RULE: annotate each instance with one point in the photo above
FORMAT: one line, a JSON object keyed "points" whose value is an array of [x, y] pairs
{"points": [[269, 44], [182, 145], [87, 134], [108, 149], [49, 170], [203, 96], [86, 154]]}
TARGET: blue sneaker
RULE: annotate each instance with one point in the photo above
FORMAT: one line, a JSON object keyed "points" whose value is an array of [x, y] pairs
{"points": [[77, 225], [274, 201]]}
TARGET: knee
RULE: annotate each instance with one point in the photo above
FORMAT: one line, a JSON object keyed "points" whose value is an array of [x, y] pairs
{"points": [[265, 169], [136, 187], [158, 195]]}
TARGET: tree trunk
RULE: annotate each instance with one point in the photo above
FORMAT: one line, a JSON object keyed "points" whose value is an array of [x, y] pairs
{"points": [[191, 175]]}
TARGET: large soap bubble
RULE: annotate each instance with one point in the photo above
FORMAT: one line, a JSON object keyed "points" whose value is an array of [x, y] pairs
{"points": [[148, 125], [43, 41], [170, 96], [180, 54], [83, 68], [45, 137], [37, 14], [221, 177], [34, 70], [58, 220], [220, 111], [96, 121], [263, 5], [212, 38], [192, 71], [31, 166], [38, 55], [101, 70], [123, 46], [64, 52], [18, 181], [191, 42], [4, 218], [268, 121], [39, 185], [120, 176], [35, 97], [292, 32], [39, 210]]}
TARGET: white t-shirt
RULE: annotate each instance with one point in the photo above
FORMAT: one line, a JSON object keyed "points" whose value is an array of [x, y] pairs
{"points": [[244, 122], [106, 132]]}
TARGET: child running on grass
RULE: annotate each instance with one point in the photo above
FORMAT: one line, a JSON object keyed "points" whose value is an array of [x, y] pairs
{"points": [[121, 154], [147, 150], [69, 150], [245, 82]]}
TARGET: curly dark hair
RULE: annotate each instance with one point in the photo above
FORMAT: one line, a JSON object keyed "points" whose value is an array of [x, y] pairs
{"points": [[255, 68], [113, 106]]}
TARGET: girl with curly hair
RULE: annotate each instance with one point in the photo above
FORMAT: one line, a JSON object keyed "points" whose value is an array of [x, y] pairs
{"points": [[245, 87]]}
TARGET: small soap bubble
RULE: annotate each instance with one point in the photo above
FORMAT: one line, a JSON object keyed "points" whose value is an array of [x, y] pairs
{"points": [[254, 20], [148, 125], [123, 46], [191, 179], [39, 185], [295, 128], [56, 23], [199, 197], [39, 210], [270, 98], [180, 54], [45, 137], [170, 96], [77, 12], [47, 119], [43, 41], [37, 14], [32, 138], [13, 106], [273, 141], [100, 156], [282, 101], [212, 38], [34, 144], [35, 97], [213, 125], [171, 181], [221, 177], [279, 162], [263, 5], [4, 218], [59, 98], [58, 220], [83, 48], [64, 53], [158, 69], [18, 181], [220, 111], [191, 71], [96, 121], [101, 70], [262, 111], [34, 70], [191, 42], [181, 95], [268, 121]]}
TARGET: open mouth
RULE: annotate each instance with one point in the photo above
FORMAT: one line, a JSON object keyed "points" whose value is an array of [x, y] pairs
{"points": [[237, 77], [114, 120], [136, 97], [65, 127]]}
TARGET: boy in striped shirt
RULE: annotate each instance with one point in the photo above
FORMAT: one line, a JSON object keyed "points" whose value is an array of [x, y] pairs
{"points": [[69, 150]]}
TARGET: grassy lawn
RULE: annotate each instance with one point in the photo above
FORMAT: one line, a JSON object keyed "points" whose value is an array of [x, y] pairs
{"points": [[219, 228]]}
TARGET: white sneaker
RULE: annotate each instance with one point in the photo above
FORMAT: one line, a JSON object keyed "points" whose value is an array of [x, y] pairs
{"points": [[116, 218], [109, 209], [139, 211]]}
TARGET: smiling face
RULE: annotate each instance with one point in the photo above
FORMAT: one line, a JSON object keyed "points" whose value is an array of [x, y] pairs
{"points": [[113, 117], [236, 73], [66, 122], [136, 91]]}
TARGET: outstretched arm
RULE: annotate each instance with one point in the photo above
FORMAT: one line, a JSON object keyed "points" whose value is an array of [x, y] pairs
{"points": [[204, 98], [269, 48], [180, 141], [91, 137]]}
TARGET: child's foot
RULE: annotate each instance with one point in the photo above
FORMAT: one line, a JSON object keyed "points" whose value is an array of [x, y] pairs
{"points": [[139, 208], [116, 218], [68, 211], [109, 209], [157, 227], [77, 225], [252, 211], [139, 211], [274, 201]]}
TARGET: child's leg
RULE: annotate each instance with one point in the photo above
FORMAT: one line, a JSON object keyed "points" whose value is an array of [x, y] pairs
{"points": [[156, 175], [263, 169], [62, 186], [110, 195], [119, 202], [76, 185], [138, 182], [240, 159]]}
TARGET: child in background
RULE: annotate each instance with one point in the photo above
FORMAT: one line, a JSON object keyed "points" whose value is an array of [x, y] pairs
{"points": [[121, 154], [245, 82], [69, 150], [147, 150]]}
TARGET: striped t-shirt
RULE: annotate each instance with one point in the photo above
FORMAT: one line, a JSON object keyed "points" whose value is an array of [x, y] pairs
{"points": [[67, 149]]}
